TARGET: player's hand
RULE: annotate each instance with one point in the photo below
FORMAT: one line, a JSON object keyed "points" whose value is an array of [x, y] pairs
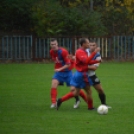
{"points": [[73, 57], [97, 49], [100, 60], [70, 56], [57, 70]]}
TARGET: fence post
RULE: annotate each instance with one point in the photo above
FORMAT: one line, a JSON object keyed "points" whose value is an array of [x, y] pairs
{"points": [[33, 47], [73, 45], [106, 47], [133, 47]]}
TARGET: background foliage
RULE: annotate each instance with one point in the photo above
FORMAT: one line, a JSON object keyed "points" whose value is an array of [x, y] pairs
{"points": [[68, 17]]}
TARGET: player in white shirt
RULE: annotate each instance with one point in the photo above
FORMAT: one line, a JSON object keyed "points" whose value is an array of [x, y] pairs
{"points": [[92, 74]]}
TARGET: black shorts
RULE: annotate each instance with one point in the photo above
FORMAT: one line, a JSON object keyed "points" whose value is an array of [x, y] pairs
{"points": [[95, 80]]}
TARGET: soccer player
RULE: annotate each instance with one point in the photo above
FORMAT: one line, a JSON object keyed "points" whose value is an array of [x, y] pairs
{"points": [[81, 93], [80, 79], [62, 70], [92, 74]]}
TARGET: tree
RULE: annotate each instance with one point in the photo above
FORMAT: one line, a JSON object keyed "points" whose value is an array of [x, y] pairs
{"points": [[119, 16], [48, 18], [16, 15], [51, 18]]}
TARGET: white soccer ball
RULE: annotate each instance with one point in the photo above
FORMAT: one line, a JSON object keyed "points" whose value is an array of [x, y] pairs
{"points": [[102, 109]]}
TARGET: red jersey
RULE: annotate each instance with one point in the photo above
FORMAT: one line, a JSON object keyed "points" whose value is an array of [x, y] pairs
{"points": [[60, 57], [72, 64], [82, 60]]}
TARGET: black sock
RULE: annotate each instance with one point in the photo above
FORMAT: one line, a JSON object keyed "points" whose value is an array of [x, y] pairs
{"points": [[102, 98], [77, 98]]}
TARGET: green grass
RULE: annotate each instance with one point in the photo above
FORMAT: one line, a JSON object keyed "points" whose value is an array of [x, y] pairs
{"points": [[25, 102]]}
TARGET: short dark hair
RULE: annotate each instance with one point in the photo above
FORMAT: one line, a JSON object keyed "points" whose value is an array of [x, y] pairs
{"points": [[53, 39], [92, 41], [83, 40]]}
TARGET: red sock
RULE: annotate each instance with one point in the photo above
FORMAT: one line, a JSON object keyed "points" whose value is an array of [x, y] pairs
{"points": [[67, 96], [83, 95], [90, 103], [53, 95]]}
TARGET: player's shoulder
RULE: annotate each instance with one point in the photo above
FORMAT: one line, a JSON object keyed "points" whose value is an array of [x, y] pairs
{"points": [[79, 50], [51, 51], [98, 54], [63, 49]]}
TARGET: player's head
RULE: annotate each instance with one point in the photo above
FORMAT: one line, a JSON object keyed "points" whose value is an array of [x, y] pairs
{"points": [[54, 44], [92, 45], [84, 42]]}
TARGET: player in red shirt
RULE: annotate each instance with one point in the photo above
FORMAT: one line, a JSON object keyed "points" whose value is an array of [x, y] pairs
{"points": [[62, 70], [80, 79]]}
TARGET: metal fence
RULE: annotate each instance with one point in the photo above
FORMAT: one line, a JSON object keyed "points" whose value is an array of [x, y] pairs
{"points": [[42, 46], [31, 48], [15, 47]]}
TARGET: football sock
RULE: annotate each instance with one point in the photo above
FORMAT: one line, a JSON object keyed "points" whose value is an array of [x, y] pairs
{"points": [[90, 104], [77, 98], [67, 96], [83, 95], [102, 98], [53, 95]]}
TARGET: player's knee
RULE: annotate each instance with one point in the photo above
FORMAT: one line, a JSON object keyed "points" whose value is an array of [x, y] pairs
{"points": [[74, 91], [100, 91], [54, 83]]}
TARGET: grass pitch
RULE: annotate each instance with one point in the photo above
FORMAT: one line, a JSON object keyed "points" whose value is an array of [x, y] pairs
{"points": [[25, 102]]}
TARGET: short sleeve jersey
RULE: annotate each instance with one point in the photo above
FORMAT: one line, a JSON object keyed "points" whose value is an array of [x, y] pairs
{"points": [[81, 57], [60, 58]]}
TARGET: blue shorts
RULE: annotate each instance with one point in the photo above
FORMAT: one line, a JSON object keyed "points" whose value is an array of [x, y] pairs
{"points": [[63, 77], [81, 80]]}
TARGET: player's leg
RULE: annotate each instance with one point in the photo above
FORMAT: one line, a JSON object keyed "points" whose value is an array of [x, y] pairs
{"points": [[84, 97], [89, 97], [67, 80], [101, 93], [87, 82], [73, 92], [53, 93], [99, 89], [76, 81]]}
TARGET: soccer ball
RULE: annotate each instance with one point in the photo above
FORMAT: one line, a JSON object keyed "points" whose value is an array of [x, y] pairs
{"points": [[102, 109]]}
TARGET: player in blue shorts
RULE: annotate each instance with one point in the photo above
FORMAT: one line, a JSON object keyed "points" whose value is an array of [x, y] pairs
{"points": [[80, 78], [62, 70]]}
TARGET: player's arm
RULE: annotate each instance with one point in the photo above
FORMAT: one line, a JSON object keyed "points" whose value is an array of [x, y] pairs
{"points": [[71, 57], [83, 58], [95, 66], [92, 67], [62, 68], [89, 59]]}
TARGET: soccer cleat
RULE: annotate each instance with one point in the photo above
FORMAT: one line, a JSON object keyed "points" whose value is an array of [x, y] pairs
{"points": [[76, 105], [58, 103], [109, 107], [53, 105], [93, 108], [61, 84]]}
